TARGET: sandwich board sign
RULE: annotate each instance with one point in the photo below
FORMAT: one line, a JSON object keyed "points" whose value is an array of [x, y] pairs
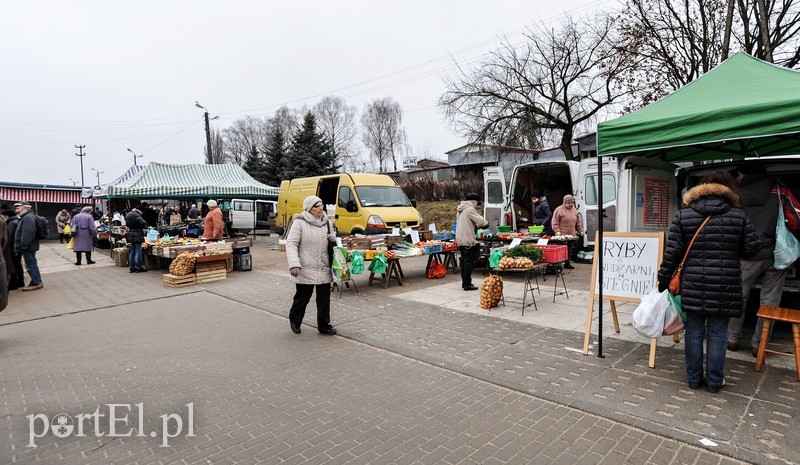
{"points": [[630, 270]]}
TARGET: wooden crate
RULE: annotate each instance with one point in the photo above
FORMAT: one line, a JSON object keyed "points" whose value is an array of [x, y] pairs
{"points": [[211, 276], [170, 280], [210, 266]]}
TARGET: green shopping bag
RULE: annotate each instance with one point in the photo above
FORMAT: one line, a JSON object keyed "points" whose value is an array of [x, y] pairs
{"points": [[357, 266], [378, 264], [494, 258]]}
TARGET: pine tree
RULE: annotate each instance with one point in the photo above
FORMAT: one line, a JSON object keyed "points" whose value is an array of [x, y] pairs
{"points": [[275, 158], [310, 154], [255, 166]]}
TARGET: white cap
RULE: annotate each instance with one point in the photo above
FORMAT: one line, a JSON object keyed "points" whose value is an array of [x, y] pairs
{"points": [[211, 203]]}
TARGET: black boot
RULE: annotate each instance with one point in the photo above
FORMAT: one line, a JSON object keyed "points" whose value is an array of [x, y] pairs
{"points": [[77, 258], [89, 258]]}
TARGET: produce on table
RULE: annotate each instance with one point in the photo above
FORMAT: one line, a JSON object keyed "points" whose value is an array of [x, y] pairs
{"points": [[491, 291], [515, 263], [183, 264], [404, 249], [531, 252]]}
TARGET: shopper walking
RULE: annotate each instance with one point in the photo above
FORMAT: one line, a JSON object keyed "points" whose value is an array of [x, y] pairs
{"points": [[135, 237], [62, 220], [468, 220], [309, 264], [711, 285], [26, 244], [83, 242], [3, 274]]}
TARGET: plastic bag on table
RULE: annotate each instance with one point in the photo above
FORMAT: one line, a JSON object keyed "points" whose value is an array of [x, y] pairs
{"points": [[648, 318], [494, 258], [152, 235], [378, 264], [357, 266]]}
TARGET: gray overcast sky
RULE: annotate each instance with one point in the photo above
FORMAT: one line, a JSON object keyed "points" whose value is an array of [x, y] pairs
{"points": [[113, 75]]}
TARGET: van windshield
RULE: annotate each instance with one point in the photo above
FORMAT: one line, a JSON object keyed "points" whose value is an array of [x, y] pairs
{"points": [[382, 196]]}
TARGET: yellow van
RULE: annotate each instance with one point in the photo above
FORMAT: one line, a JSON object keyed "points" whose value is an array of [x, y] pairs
{"points": [[365, 203]]}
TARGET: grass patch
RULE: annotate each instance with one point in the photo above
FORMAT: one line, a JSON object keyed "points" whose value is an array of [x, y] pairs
{"points": [[441, 213]]}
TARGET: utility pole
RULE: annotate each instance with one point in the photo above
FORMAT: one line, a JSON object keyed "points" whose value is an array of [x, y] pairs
{"points": [[209, 154], [208, 136], [98, 176], [81, 154], [135, 156]]}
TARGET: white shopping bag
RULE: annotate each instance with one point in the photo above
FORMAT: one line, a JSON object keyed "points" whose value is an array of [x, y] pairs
{"points": [[648, 318]]}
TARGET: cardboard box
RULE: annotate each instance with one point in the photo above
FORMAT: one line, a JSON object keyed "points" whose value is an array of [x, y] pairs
{"points": [[121, 258]]}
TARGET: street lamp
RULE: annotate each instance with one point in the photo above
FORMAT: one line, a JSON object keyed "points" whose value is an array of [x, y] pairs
{"points": [[74, 182], [208, 129], [135, 156], [98, 175]]}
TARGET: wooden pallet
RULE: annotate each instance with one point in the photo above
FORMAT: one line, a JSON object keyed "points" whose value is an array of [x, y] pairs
{"points": [[170, 280], [211, 276]]}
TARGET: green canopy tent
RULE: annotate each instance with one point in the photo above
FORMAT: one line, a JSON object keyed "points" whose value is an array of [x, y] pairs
{"points": [[745, 107], [166, 181]]}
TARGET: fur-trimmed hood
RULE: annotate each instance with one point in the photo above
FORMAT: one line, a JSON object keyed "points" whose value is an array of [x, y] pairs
{"points": [[710, 190]]}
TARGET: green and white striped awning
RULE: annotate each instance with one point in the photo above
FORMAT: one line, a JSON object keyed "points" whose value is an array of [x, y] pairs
{"points": [[165, 181]]}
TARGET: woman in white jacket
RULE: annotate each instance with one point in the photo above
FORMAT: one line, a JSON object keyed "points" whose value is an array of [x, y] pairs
{"points": [[309, 265]]}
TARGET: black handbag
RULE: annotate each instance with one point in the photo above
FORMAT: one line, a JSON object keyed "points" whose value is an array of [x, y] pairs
{"points": [[330, 248]]}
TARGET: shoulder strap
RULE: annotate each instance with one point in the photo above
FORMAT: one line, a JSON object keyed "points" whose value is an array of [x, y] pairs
{"points": [[692, 242]]}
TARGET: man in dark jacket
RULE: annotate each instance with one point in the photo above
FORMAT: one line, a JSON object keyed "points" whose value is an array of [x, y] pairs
{"points": [[135, 237], [26, 244], [149, 214], [542, 215], [13, 260], [761, 207]]}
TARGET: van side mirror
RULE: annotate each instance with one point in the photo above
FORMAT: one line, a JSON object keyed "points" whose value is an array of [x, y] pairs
{"points": [[351, 206], [414, 203]]}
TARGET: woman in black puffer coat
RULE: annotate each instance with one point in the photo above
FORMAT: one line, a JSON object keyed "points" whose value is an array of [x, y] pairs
{"points": [[711, 287]]}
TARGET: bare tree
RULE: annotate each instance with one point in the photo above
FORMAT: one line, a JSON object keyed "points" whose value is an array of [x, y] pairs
{"points": [[217, 147], [382, 131], [552, 84], [287, 120], [337, 122], [773, 37], [242, 137], [669, 43]]}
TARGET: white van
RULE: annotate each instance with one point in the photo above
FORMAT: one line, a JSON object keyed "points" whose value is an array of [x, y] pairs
{"points": [[639, 194], [245, 215]]}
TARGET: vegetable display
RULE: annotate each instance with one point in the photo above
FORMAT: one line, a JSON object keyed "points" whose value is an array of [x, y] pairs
{"points": [[183, 264], [491, 291]]}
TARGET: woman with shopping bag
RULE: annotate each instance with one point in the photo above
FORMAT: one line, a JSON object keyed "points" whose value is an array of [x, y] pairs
{"points": [[712, 226]]}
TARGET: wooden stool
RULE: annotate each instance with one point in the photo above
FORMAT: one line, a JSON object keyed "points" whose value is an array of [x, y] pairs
{"points": [[770, 313]]}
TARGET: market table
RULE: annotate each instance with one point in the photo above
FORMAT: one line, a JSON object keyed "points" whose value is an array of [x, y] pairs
{"points": [[528, 285], [446, 257], [393, 270]]}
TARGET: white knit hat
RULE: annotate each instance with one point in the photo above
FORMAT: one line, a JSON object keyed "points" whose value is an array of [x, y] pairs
{"points": [[211, 203], [310, 201]]}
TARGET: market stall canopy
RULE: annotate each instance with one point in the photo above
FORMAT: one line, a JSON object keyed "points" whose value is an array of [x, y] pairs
{"points": [[745, 107], [159, 180], [97, 190]]}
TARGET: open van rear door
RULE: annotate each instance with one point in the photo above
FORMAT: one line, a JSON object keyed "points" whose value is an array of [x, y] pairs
{"points": [[587, 198], [495, 203]]}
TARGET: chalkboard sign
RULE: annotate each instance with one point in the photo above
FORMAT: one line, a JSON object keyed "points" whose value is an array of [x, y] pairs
{"points": [[630, 265]]}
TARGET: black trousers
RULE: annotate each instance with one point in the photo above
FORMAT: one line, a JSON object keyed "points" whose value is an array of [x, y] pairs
{"points": [[301, 298], [18, 279], [78, 257], [469, 255]]}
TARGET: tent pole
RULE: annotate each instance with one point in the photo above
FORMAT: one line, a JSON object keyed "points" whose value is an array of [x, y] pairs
{"points": [[598, 248]]}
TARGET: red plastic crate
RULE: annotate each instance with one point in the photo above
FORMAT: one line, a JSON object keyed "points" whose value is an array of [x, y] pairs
{"points": [[554, 253]]}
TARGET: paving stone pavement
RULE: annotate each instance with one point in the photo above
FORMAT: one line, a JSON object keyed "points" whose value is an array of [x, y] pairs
{"points": [[402, 383]]}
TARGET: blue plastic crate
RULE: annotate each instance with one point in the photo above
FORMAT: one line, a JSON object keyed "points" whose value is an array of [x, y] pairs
{"points": [[431, 249]]}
